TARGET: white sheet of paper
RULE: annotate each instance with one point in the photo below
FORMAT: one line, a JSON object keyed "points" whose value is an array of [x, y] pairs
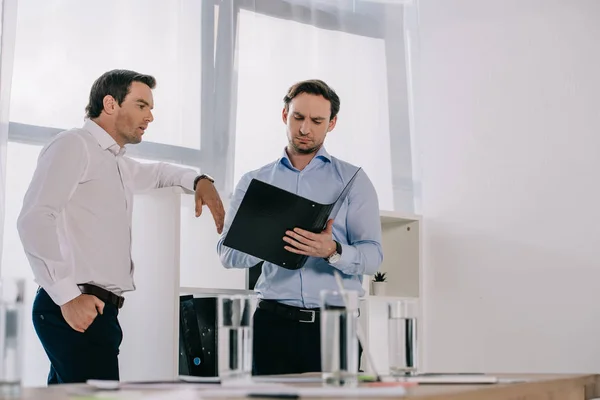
{"points": [[449, 379], [321, 391], [116, 385], [288, 379], [199, 379]]}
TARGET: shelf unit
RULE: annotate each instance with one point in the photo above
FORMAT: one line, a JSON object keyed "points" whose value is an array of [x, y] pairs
{"points": [[401, 241], [402, 262]]}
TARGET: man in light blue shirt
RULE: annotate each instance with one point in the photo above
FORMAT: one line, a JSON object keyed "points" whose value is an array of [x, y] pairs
{"points": [[286, 323]]}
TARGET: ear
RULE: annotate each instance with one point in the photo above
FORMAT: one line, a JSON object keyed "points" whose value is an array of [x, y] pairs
{"points": [[332, 124], [284, 115], [110, 104]]}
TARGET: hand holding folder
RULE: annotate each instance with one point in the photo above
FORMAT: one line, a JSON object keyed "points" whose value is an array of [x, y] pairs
{"points": [[319, 245], [267, 212]]}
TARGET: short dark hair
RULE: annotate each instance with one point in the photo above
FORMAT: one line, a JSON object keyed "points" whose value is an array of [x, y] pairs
{"points": [[115, 83], [316, 87]]}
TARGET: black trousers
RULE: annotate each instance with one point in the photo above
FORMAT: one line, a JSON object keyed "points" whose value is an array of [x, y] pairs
{"points": [[74, 356], [284, 346]]}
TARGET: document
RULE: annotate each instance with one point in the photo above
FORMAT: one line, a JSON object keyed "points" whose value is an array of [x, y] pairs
{"points": [[267, 212], [292, 392], [449, 378]]}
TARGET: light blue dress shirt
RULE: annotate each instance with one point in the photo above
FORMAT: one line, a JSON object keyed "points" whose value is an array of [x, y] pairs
{"points": [[357, 228]]}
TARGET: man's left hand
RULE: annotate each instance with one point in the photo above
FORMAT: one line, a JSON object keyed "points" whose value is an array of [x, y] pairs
{"points": [[206, 194], [311, 244]]}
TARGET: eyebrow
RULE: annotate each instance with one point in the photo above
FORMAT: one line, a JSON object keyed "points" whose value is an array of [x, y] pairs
{"points": [[296, 113], [144, 102]]}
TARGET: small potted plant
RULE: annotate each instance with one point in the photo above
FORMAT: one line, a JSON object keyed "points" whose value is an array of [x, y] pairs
{"points": [[379, 283]]}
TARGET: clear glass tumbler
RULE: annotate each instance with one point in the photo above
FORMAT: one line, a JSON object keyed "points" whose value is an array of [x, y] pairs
{"points": [[339, 342], [402, 337], [12, 297], [235, 314]]}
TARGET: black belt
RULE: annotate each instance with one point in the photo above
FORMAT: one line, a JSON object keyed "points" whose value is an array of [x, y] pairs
{"points": [[103, 294], [308, 315]]}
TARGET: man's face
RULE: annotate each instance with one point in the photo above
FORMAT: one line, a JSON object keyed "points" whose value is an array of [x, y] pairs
{"points": [[135, 113], [307, 121]]}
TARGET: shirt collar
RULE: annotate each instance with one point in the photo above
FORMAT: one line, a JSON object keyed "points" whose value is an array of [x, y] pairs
{"points": [[321, 154], [105, 141]]}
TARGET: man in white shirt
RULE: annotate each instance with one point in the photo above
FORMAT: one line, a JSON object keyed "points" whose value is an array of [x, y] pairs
{"points": [[75, 226]]}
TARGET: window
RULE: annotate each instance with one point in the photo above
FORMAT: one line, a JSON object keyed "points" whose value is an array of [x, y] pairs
{"points": [[20, 164], [63, 46], [273, 54], [21, 160]]}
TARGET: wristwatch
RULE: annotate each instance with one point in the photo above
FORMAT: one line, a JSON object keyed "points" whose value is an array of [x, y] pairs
{"points": [[203, 176], [337, 254]]}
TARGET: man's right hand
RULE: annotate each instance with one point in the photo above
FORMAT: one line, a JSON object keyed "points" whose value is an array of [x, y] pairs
{"points": [[81, 311]]}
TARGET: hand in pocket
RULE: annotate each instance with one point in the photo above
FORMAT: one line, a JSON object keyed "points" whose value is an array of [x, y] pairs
{"points": [[82, 311]]}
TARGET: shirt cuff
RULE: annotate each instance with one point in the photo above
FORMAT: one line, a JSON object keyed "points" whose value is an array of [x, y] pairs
{"points": [[63, 291], [187, 181], [347, 263]]}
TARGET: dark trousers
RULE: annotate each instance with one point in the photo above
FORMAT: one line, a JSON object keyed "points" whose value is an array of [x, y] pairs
{"points": [[74, 356], [284, 346]]}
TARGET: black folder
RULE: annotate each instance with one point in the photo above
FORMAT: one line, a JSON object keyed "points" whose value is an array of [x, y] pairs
{"points": [[267, 212]]}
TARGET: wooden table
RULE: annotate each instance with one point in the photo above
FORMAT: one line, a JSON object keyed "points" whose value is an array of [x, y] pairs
{"points": [[539, 387]]}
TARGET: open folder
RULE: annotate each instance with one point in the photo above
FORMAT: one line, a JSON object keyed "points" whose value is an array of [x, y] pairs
{"points": [[267, 212]]}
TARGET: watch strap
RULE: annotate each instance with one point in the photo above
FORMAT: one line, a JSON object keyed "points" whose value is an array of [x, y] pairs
{"points": [[338, 250], [200, 177]]}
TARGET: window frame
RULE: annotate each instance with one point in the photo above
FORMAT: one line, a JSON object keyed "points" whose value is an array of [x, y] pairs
{"points": [[219, 86], [219, 142]]}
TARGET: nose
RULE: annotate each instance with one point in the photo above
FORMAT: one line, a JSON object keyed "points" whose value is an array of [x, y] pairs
{"points": [[305, 127], [149, 118]]}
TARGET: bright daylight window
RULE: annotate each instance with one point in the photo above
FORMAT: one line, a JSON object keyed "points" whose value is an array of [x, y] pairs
{"points": [[63, 46], [21, 163], [273, 54]]}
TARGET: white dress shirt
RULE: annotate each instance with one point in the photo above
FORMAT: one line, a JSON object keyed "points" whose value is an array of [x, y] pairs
{"points": [[75, 224]]}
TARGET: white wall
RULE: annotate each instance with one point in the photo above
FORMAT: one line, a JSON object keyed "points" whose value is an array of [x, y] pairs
{"points": [[200, 263], [509, 120]]}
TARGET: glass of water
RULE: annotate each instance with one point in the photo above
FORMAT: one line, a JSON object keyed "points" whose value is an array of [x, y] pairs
{"points": [[402, 336], [339, 342], [235, 315], [12, 293]]}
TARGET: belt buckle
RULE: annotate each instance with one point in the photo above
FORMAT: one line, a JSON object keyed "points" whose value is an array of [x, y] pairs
{"points": [[312, 316]]}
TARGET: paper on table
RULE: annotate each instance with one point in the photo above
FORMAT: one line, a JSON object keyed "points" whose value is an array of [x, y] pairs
{"points": [[117, 385], [321, 391], [199, 379], [200, 384], [288, 379], [296, 378], [447, 379]]}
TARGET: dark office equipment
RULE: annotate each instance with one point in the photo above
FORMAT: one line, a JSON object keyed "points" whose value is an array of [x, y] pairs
{"points": [[198, 336], [267, 212]]}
